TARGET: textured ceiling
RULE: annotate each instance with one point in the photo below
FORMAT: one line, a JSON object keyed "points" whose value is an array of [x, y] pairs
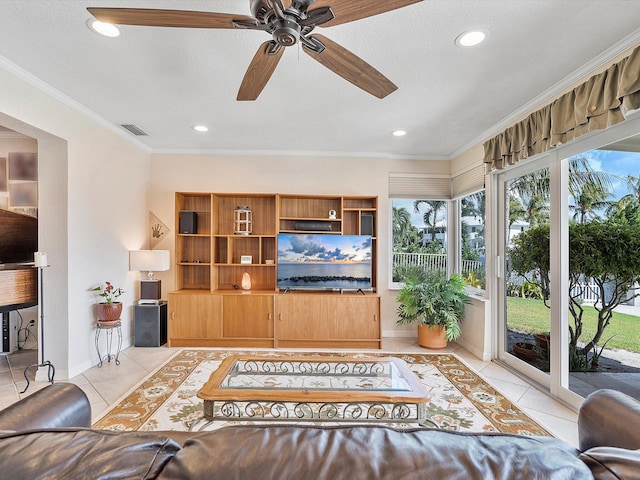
{"points": [[165, 80]]}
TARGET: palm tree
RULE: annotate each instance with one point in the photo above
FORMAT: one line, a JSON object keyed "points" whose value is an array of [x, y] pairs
{"points": [[590, 199], [633, 184], [402, 227], [516, 210], [581, 174], [587, 187], [474, 205], [431, 213]]}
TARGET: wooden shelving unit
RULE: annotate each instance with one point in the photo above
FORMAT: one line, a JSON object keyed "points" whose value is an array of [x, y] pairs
{"points": [[209, 269], [211, 258]]}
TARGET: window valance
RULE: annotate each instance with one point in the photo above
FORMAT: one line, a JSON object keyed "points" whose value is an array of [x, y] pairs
{"points": [[602, 101]]}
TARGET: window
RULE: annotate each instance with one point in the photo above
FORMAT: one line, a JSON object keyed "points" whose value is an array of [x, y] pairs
{"points": [[419, 239], [471, 241], [423, 211]]}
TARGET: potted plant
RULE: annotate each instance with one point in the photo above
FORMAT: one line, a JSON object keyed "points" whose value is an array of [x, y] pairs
{"points": [[108, 310], [436, 304]]}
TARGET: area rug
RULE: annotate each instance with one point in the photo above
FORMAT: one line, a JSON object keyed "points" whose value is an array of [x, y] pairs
{"points": [[461, 400]]}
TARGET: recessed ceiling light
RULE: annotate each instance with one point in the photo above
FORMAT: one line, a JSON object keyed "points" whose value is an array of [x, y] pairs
{"points": [[200, 128], [471, 38], [398, 133], [106, 29]]}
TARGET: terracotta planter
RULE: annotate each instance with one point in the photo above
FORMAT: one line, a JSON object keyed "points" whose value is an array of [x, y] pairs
{"points": [[542, 340], [108, 312], [430, 336], [525, 351]]}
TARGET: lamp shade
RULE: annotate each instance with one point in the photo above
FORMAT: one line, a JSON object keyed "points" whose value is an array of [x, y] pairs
{"points": [[149, 260]]}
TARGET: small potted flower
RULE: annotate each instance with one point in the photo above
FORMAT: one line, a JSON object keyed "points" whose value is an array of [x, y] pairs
{"points": [[108, 310]]}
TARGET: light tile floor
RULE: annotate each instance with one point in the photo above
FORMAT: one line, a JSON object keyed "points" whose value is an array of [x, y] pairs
{"points": [[105, 386]]}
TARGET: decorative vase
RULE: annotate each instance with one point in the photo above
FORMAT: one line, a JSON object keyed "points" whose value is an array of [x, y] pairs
{"points": [[109, 312], [525, 351], [432, 336]]}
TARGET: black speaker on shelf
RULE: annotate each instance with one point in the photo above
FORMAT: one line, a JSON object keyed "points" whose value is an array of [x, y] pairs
{"points": [[188, 222], [366, 225], [150, 325]]}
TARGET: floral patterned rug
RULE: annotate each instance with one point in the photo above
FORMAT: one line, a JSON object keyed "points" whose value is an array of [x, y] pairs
{"points": [[461, 400]]}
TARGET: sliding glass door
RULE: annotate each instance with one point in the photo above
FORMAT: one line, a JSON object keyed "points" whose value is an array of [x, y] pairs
{"points": [[525, 270], [568, 266]]}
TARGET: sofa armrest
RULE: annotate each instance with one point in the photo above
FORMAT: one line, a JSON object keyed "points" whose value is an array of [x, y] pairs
{"points": [[54, 406], [609, 418]]}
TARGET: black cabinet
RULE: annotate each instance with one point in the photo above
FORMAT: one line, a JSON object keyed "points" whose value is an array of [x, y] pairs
{"points": [[150, 325]]}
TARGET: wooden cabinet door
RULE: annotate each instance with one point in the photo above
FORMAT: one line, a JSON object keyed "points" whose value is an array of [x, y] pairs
{"points": [[247, 316], [355, 317], [194, 316], [303, 317]]}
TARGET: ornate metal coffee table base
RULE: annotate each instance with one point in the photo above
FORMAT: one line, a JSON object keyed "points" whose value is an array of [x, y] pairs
{"points": [[315, 412], [314, 389]]}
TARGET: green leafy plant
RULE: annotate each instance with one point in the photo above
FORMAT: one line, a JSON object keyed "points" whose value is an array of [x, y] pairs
{"points": [[433, 300], [607, 253], [108, 292]]}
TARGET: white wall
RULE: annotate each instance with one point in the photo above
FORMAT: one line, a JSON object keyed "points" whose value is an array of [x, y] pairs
{"points": [[477, 329], [315, 176], [92, 209]]}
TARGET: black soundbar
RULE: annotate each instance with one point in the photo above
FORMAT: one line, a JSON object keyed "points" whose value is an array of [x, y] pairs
{"points": [[310, 225]]}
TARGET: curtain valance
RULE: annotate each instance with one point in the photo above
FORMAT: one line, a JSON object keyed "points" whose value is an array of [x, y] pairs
{"points": [[600, 102]]}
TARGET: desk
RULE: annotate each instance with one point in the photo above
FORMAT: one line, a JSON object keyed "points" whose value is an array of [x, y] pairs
{"points": [[109, 327]]}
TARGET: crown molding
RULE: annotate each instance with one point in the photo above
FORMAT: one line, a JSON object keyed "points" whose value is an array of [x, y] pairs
{"points": [[294, 153], [605, 58], [56, 94]]}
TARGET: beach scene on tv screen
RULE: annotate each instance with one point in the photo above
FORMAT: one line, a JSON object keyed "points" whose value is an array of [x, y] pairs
{"points": [[324, 261]]}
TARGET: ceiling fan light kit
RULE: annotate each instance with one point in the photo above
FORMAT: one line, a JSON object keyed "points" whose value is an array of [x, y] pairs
{"points": [[289, 22]]}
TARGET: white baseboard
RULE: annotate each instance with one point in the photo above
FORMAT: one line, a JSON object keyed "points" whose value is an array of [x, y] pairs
{"points": [[398, 334], [484, 356]]}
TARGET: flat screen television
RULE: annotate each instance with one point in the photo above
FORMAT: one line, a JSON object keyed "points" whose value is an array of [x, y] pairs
{"points": [[324, 261]]}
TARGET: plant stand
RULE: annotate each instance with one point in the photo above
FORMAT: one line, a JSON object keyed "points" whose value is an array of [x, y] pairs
{"points": [[109, 327]]}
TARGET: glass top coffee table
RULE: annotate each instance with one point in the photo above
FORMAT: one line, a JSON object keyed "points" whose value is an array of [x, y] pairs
{"points": [[304, 388]]}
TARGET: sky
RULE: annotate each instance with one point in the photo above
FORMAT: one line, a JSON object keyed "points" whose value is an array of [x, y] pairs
{"points": [[618, 164], [307, 248]]}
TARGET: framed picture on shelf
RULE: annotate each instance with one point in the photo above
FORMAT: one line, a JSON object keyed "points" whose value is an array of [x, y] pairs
{"points": [[23, 166], [3, 175], [23, 194]]}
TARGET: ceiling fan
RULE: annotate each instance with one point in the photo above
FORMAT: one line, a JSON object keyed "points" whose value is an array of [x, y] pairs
{"points": [[289, 22]]}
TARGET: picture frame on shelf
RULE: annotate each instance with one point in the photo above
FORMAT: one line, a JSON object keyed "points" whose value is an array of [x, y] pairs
{"points": [[23, 166]]}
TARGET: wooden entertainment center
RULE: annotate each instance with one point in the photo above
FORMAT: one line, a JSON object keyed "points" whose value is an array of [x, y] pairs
{"points": [[209, 309]]}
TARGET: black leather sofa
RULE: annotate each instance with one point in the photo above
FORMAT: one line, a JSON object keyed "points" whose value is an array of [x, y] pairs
{"points": [[48, 436]]}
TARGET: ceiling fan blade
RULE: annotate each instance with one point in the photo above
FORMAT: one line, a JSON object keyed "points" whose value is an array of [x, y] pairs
{"points": [[317, 17], [260, 70], [350, 10], [166, 18], [350, 67]]}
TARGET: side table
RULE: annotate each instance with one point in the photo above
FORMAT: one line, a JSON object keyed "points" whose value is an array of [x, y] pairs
{"points": [[109, 327]]}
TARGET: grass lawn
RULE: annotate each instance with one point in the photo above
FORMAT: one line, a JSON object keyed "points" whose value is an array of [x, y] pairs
{"points": [[531, 316]]}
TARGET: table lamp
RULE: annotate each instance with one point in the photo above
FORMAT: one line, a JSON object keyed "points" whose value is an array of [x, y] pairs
{"points": [[151, 261]]}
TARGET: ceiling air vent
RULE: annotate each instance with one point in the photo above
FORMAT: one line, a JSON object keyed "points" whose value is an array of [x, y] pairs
{"points": [[135, 130]]}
